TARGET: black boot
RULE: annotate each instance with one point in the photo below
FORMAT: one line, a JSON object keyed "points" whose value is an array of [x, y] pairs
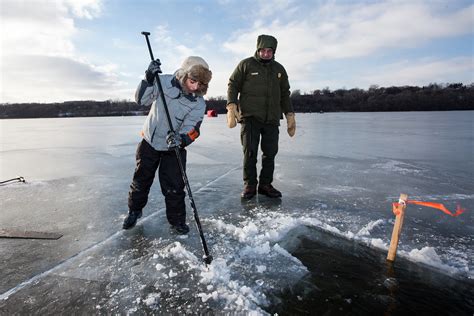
{"points": [[180, 229], [269, 190], [131, 219], [249, 191]]}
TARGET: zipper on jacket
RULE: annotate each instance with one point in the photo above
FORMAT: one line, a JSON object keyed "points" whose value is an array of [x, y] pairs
{"points": [[268, 72], [153, 135]]}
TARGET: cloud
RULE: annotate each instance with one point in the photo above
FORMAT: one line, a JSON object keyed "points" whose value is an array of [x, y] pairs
{"points": [[43, 77], [87, 9], [321, 43], [333, 31], [422, 72], [362, 30], [167, 48], [274, 8], [39, 60], [32, 28]]}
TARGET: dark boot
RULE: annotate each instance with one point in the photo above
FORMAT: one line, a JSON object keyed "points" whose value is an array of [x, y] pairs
{"points": [[180, 229], [131, 219], [249, 191], [269, 190]]}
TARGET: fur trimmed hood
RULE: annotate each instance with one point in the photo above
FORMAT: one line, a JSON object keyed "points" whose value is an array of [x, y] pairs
{"points": [[196, 68]]}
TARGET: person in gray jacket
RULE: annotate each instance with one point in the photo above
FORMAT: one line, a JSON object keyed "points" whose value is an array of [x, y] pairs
{"points": [[183, 92]]}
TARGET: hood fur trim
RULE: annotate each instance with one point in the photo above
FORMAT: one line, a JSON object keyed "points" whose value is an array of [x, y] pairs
{"points": [[196, 68]]}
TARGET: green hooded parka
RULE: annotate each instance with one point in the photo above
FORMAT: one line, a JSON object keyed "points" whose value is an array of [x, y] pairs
{"points": [[263, 86]]}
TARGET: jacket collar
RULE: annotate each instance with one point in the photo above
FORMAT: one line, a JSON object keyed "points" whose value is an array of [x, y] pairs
{"points": [[175, 83]]}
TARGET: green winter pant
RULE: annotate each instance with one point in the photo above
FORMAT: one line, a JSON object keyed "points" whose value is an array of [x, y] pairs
{"points": [[251, 133]]}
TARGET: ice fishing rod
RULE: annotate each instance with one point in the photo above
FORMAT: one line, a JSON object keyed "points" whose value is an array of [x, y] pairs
{"points": [[207, 257], [17, 179]]}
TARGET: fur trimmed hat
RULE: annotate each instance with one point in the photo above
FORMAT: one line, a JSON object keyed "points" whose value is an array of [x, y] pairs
{"points": [[196, 68]]}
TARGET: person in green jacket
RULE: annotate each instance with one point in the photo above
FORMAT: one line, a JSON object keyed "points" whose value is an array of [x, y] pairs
{"points": [[258, 95]]}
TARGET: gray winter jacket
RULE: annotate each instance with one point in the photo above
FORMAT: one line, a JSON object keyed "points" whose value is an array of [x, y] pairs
{"points": [[186, 112]]}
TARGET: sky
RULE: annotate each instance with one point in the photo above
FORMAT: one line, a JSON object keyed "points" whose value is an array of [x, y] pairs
{"points": [[63, 50]]}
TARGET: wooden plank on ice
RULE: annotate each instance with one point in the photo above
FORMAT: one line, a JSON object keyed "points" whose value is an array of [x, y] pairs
{"points": [[25, 234]]}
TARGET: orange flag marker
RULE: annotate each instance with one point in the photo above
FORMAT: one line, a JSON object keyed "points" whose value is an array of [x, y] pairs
{"points": [[439, 206], [398, 209]]}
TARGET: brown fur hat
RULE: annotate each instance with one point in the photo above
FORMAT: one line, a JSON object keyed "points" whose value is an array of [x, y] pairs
{"points": [[196, 68]]}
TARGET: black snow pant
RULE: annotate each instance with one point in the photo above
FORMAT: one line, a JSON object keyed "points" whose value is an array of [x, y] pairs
{"points": [[171, 181], [252, 131]]}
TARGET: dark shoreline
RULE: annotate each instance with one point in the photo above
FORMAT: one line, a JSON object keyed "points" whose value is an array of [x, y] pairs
{"points": [[449, 97]]}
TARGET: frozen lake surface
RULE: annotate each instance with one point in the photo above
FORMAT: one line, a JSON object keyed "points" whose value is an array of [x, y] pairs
{"points": [[320, 249]]}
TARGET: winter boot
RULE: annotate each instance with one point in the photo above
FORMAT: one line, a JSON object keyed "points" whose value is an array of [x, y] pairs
{"points": [[269, 190], [249, 191], [180, 229], [131, 219]]}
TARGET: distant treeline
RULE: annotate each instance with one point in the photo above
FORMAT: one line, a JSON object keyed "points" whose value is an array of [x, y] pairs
{"points": [[72, 109], [434, 97]]}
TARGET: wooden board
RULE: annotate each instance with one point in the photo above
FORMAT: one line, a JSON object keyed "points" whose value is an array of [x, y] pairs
{"points": [[17, 233]]}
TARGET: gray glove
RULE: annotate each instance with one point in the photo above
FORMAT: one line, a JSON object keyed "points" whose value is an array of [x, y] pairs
{"points": [[153, 70], [173, 140]]}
